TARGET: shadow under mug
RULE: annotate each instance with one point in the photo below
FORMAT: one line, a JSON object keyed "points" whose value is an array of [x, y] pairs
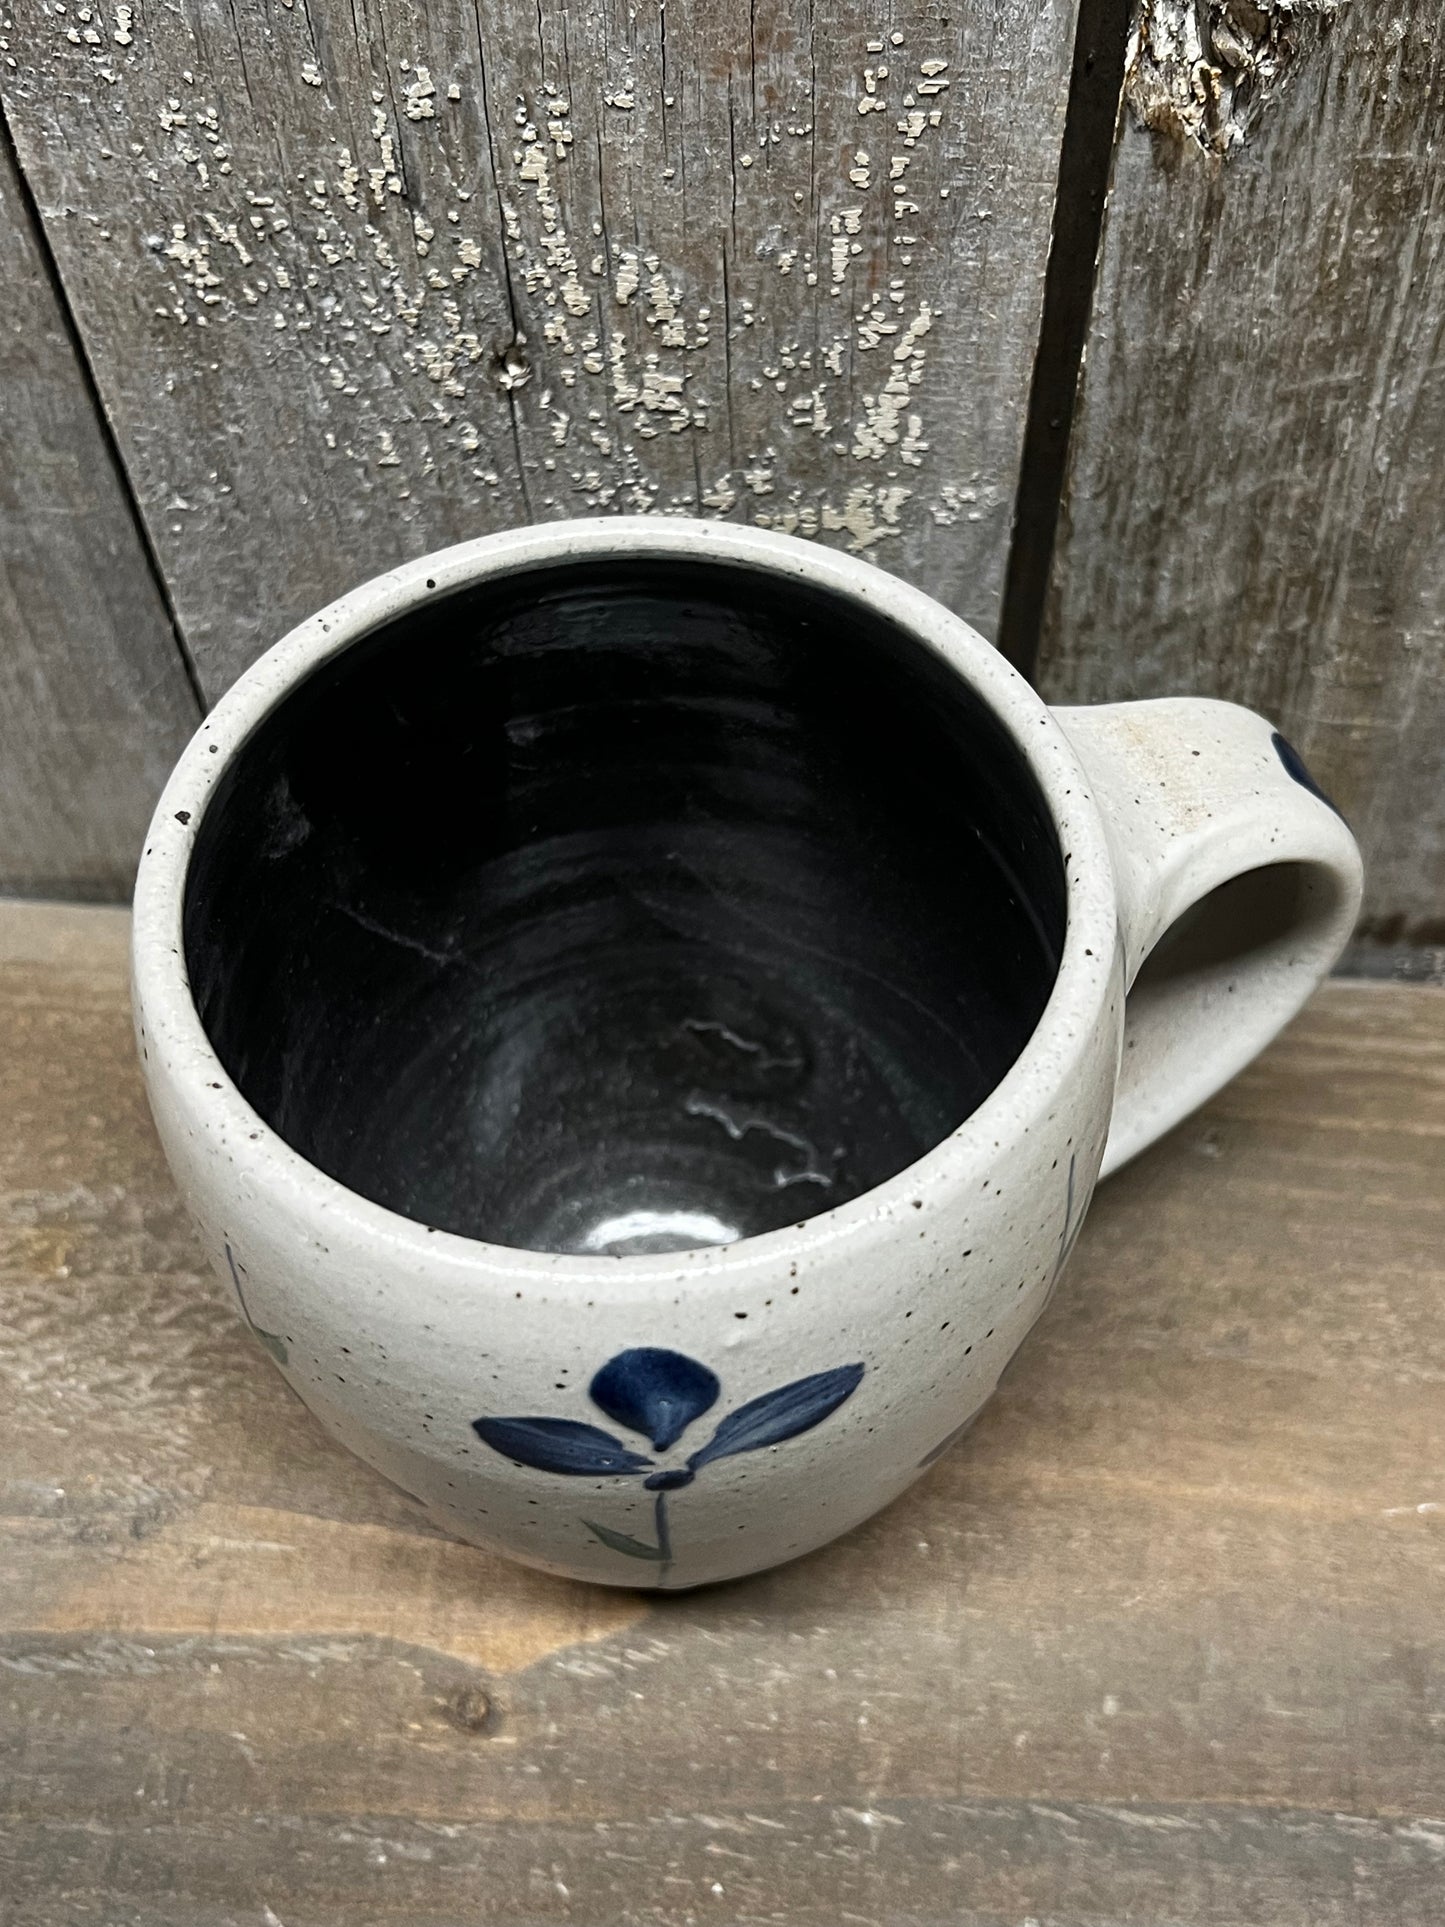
{"points": [[638, 1005]]}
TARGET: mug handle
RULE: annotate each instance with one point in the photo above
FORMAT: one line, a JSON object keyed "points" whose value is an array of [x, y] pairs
{"points": [[1238, 886]]}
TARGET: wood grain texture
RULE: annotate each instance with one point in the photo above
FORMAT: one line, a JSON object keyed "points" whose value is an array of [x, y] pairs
{"points": [[359, 280], [1159, 1642], [94, 702], [1252, 504]]}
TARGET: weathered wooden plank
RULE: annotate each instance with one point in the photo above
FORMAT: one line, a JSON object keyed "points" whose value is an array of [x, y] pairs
{"points": [[94, 702], [1161, 1641], [377, 277], [966, 1863], [1252, 505]]}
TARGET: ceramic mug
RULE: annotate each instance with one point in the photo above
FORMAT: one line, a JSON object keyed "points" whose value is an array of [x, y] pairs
{"points": [[639, 1009]]}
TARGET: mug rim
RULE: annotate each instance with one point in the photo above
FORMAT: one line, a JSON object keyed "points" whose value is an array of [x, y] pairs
{"points": [[181, 1051]]}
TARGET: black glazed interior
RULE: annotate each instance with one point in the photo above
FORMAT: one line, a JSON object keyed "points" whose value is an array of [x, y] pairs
{"points": [[623, 906]]}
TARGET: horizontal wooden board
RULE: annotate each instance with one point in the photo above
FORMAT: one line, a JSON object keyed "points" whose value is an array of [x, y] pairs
{"points": [[1159, 1642]]}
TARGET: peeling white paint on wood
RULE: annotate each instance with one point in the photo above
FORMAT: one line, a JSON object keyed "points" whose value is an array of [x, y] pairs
{"points": [[402, 285]]}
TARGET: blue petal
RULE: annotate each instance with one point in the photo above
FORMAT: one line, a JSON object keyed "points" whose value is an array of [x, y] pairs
{"points": [[558, 1445], [654, 1392], [780, 1415]]}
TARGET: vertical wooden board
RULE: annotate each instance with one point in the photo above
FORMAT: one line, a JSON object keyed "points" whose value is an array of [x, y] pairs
{"points": [[1253, 504], [358, 281], [94, 702]]}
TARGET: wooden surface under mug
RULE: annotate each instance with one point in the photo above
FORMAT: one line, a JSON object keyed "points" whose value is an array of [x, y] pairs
{"points": [[1160, 1640]]}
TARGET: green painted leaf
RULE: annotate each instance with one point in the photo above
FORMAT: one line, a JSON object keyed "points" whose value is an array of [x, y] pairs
{"points": [[620, 1542], [274, 1344], [273, 1341]]}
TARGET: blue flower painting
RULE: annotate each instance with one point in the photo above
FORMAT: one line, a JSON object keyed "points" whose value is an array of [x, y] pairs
{"points": [[657, 1395]]}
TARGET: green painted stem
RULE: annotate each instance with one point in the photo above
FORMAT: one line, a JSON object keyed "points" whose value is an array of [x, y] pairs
{"points": [[664, 1538]]}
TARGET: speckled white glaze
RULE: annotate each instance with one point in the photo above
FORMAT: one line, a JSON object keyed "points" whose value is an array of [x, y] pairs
{"points": [[400, 1338]]}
